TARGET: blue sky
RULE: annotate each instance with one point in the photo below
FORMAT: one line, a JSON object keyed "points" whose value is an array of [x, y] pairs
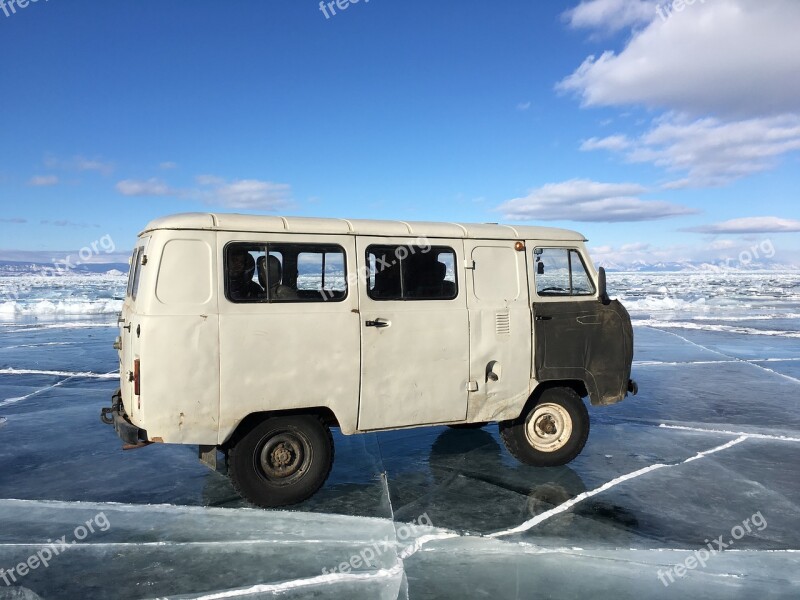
{"points": [[659, 138]]}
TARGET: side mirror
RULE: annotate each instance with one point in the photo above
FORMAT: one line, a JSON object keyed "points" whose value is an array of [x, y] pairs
{"points": [[601, 284], [540, 268]]}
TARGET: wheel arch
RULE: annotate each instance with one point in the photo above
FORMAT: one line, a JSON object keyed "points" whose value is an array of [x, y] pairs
{"points": [[253, 419], [576, 385]]}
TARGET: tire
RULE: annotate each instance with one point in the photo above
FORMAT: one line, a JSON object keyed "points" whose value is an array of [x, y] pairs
{"points": [[551, 432], [469, 425], [282, 460]]}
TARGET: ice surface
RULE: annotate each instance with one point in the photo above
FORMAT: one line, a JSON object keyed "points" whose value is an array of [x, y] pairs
{"points": [[712, 440]]}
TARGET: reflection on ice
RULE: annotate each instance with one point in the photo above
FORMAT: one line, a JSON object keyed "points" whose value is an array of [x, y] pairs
{"points": [[711, 439]]}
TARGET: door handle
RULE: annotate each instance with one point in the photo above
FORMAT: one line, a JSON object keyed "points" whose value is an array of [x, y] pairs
{"points": [[378, 323], [541, 318]]}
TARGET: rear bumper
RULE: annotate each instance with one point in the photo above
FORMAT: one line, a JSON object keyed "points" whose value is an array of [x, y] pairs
{"points": [[127, 431]]}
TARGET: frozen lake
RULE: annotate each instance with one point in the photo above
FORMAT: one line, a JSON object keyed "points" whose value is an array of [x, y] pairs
{"points": [[688, 490]]}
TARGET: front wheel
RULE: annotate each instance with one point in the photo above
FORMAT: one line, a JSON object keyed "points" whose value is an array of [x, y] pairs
{"points": [[550, 433], [282, 460]]}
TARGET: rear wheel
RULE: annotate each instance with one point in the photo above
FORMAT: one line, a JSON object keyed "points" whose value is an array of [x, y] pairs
{"points": [[550, 433], [282, 460]]}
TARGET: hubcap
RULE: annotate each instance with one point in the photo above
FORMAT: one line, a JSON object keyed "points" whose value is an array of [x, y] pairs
{"points": [[548, 427], [283, 456]]}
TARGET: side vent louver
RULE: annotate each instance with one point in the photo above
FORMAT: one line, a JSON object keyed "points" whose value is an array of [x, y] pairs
{"points": [[503, 324]]}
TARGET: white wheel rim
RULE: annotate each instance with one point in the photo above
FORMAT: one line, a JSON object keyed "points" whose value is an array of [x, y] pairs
{"points": [[548, 427]]}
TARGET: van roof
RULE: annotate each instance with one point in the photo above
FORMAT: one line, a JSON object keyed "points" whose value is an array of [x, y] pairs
{"points": [[275, 224]]}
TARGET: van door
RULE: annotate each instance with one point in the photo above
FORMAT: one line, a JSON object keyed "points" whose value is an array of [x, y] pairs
{"points": [[289, 335], [500, 327], [577, 337], [414, 333], [179, 339], [128, 324]]}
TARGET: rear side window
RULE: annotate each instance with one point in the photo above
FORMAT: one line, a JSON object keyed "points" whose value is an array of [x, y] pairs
{"points": [[131, 271], [411, 273], [267, 273], [136, 267], [561, 272]]}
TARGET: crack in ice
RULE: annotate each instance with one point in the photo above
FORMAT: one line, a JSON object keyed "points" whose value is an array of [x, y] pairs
{"points": [[70, 374], [331, 578], [67, 377], [734, 359], [531, 523], [760, 436]]}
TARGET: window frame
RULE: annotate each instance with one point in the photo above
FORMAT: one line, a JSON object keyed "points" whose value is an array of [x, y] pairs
{"points": [[266, 247], [431, 249], [137, 273], [569, 250], [131, 271]]}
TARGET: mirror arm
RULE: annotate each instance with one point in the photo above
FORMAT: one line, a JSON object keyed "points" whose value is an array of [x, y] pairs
{"points": [[601, 284]]}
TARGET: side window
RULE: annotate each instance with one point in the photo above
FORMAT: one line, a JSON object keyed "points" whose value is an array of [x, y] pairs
{"points": [[411, 273], [243, 270], [132, 270], [322, 272], [137, 272], [284, 272], [561, 272]]}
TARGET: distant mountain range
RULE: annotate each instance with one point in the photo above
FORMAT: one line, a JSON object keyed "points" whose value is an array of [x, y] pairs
{"points": [[695, 266], [11, 268]]}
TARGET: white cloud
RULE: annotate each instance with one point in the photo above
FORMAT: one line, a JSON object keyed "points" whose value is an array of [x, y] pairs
{"points": [[149, 187], [166, 166], [751, 225], [615, 143], [723, 253], [246, 193], [734, 58], [583, 200], [238, 194], [610, 15], [708, 152], [86, 164], [640, 253], [43, 180], [79, 163], [66, 223], [722, 244], [523, 106], [209, 180], [724, 73]]}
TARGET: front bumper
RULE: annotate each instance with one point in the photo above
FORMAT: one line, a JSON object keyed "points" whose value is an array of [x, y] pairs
{"points": [[132, 436]]}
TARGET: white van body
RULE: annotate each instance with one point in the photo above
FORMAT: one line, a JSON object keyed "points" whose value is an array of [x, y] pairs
{"points": [[195, 364]]}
